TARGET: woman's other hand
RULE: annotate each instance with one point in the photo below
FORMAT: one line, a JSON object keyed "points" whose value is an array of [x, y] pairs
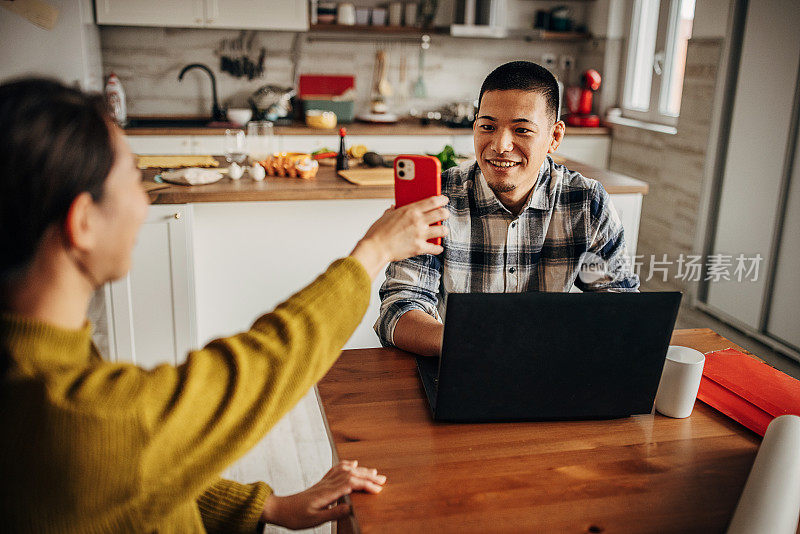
{"points": [[312, 507], [401, 233]]}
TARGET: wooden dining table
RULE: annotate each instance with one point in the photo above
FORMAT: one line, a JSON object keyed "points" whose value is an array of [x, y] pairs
{"points": [[645, 473]]}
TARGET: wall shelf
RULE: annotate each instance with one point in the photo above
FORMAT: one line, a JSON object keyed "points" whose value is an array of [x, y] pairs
{"points": [[546, 35], [337, 32], [375, 30]]}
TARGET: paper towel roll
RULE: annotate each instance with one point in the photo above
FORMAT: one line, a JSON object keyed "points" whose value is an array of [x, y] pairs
{"points": [[770, 501]]}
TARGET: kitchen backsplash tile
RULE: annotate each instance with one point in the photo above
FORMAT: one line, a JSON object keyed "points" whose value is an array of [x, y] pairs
{"points": [[148, 61]]}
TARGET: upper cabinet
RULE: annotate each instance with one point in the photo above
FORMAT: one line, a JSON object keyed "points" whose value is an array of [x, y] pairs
{"points": [[257, 14], [235, 14], [180, 13]]}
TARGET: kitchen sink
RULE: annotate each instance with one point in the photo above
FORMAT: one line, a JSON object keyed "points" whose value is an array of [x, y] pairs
{"points": [[167, 123]]}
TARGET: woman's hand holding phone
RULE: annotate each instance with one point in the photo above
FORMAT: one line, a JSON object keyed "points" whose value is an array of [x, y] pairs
{"points": [[403, 232]]}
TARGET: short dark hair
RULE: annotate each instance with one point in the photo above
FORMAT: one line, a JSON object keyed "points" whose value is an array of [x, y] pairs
{"points": [[525, 76], [55, 143]]}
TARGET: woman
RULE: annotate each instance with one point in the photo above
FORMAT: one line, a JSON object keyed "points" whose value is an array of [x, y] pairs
{"points": [[94, 446]]}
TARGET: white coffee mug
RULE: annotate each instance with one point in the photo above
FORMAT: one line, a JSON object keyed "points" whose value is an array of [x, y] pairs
{"points": [[680, 381]]}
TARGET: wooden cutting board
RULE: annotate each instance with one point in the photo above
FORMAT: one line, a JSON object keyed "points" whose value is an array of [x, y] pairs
{"points": [[174, 162], [385, 176], [379, 176]]}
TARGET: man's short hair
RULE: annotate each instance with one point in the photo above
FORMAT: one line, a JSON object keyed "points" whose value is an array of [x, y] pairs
{"points": [[525, 76]]}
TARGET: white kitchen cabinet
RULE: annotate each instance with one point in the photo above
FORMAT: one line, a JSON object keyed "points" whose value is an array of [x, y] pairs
{"points": [[177, 144], [629, 209], [257, 14], [151, 311], [464, 144], [161, 144], [235, 14], [251, 256], [207, 144], [590, 149], [175, 13]]}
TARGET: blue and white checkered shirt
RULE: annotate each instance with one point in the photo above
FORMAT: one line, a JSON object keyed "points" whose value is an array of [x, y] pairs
{"points": [[568, 219]]}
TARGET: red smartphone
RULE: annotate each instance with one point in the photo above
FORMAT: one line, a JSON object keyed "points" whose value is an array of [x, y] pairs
{"points": [[416, 178]]}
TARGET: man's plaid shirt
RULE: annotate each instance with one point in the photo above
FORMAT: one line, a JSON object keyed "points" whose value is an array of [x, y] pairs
{"points": [[489, 250]]}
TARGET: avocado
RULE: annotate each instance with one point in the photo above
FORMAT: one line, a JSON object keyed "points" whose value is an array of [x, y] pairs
{"points": [[373, 159]]}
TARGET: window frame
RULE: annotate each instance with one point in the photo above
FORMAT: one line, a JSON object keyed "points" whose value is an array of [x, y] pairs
{"points": [[668, 15]]}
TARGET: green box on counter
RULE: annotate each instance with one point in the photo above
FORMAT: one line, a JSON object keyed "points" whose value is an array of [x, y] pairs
{"points": [[344, 109]]}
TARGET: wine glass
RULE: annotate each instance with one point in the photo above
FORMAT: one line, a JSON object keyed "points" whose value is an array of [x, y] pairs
{"points": [[235, 149]]}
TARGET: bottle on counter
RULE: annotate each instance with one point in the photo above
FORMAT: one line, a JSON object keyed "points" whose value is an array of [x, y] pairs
{"points": [[341, 158], [115, 96]]}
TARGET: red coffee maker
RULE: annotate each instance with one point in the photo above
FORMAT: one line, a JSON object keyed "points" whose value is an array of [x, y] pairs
{"points": [[579, 101]]}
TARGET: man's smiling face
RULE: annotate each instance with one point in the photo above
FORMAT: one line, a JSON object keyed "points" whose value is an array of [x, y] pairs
{"points": [[513, 133]]}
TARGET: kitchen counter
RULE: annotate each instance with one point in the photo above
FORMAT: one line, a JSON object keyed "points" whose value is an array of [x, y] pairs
{"points": [[211, 258], [405, 127], [328, 186]]}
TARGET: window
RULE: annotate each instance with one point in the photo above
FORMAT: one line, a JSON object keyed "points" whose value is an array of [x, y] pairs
{"points": [[659, 33]]}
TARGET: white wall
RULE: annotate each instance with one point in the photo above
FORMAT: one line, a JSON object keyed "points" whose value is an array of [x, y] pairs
{"points": [[606, 18], [69, 52], [710, 18]]}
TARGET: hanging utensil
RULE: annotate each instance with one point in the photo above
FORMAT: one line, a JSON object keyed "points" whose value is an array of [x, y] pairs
{"points": [[378, 104], [402, 90], [384, 87], [420, 91]]}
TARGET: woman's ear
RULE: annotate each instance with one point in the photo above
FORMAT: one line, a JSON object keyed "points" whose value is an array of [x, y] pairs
{"points": [[78, 228], [558, 134]]}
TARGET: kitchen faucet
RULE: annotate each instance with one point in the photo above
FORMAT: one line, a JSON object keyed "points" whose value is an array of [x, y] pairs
{"points": [[216, 112]]}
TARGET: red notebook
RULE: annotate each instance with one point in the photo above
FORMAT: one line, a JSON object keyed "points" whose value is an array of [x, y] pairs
{"points": [[746, 390]]}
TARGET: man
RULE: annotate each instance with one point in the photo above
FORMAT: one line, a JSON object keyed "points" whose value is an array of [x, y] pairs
{"points": [[518, 221]]}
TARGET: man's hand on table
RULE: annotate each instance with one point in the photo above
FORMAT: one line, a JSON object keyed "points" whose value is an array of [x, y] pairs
{"points": [[310, 508]]}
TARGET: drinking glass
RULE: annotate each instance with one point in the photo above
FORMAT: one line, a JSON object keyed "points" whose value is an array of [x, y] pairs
{"points": [[259, 140], [235, 150]]}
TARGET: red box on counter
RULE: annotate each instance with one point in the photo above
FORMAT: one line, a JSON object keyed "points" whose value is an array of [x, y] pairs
{"points": [[321, 92], [320, 86]]}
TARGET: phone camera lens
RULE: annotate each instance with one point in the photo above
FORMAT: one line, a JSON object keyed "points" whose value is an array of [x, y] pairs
{"points": [[401, 164], [401, 174]]}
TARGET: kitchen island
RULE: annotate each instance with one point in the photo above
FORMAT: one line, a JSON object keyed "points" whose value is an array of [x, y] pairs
{"points": [[211, 258], [248, 245]]}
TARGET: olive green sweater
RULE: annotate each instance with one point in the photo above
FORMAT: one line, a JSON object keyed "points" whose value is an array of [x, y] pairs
{"points": [[93, 446]]}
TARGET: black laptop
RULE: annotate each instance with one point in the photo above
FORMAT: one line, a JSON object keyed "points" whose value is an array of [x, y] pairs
{"points": [[549, 356]]}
